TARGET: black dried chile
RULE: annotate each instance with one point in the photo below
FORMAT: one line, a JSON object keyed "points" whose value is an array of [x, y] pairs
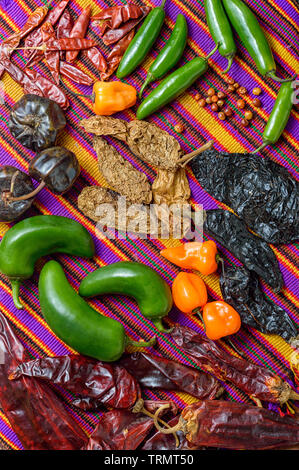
{"points": [[260, 192]]}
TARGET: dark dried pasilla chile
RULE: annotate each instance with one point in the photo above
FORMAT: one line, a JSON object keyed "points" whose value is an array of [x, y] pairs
{"points": [[254, 253], [261, 192], [94, 383], [13, 182], [240, 288], [158, 372], [36, 122], [57, 167], [256, 381]]}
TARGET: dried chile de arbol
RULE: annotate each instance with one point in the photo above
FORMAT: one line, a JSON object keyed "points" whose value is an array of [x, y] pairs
{"points": [[256, 381], [158, 372], [233, 425], [35, 413], [94, 383], [261, 192], [252, 251], [241, 289]]}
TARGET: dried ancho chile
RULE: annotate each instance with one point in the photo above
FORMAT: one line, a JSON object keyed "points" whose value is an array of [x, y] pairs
{"points": [[261, 192], [36, 122], [14, 182], [241, 289], [253, 252]]}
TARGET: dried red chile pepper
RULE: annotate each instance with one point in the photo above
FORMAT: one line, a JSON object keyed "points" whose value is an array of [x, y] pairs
{"points": [[157, 372], [64, 28], [76, 75], [115, 56], [97, 59], [35, 413], [254, 253], [52, 57], [261, 192], [161, 441], [78, 31], [256, 381], [232, 425], [119, 14], [114, 35], [240, 288], [94, 383]]}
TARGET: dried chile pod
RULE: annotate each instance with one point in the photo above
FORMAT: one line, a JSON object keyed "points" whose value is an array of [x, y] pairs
{"points": [[14, 182], [240, 288], [57, 167], [252, 251], [36, 122]]}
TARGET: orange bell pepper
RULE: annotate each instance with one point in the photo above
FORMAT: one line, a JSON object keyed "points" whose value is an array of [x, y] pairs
{"points": [[194, 255], [112, 97], [220, 319], [189, 292]]}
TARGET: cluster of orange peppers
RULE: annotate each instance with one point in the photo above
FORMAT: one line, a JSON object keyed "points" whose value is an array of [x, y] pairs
{"points": [[190, 293]]}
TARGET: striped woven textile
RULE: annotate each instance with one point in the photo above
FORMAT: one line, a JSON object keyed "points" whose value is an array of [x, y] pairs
{"points": [[279, 19]]}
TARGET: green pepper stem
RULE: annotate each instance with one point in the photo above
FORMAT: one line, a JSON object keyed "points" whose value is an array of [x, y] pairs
{"points": [[261, 147], [163, 4], [142, 344], [230, 63], [212, 51], [274, 77], [148, 80], [15, 294], [159, 325]]}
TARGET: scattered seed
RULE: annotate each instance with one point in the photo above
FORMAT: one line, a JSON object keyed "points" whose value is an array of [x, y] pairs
{"points": [[209, 100], [230, 89], [256, 103], [211, 92], [221, 95], [244, 122], [214, 99], [236, 86], [228, 112], [202, 103], [179, 128], [256, 91], [221, 116], [197, 97], [220, 103], [248, 115], [230, 80], [241, 104], [242, 90], [214, 107]]}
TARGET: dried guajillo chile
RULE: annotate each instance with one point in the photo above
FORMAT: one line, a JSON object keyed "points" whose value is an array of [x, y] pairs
{"points": [[76, 75], [146, 140], [157, 372], [256, 381], [136, 280], [35, 413], [64, 28], [161, 441], [32, 238], [261, 192], [142, 42], [94, 383], [68, 315], [97, 59], [62, 44], [253, 37], [241, 289], [15, 183], [251, 250], [233, 425], [174, 85], [279, 115], [52, 57], [221, 30], [115, 56], [78, 31], [112, 36], [170, 54], [115, 16]]}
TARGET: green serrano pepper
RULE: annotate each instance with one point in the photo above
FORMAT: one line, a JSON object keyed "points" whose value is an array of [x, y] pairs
{"points": [[174, 85], [279, 115], [253, 37], [142, 42], [76, 323], [32, 238], [170, 54], [221, 30], [136, 280]]}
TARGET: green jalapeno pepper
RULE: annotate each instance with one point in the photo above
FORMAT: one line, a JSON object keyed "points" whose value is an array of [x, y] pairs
{"points": [[76, 323], [221, 30], [142, 42], [279, 115], [32, 238], [136, 280], [174, 85], [170, 54], [253, 37]]}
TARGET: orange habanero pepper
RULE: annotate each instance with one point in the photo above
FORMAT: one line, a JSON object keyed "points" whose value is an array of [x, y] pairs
{"points": [[112, 97], [189, 292], [220, 319], [194, 255]]}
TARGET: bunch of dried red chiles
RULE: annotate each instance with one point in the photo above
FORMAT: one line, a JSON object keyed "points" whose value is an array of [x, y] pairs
{"points": [[40, 420], [54, 36]]}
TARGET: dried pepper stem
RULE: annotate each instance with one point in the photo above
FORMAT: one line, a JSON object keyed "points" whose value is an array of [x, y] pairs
{"points": [[187, 158]]}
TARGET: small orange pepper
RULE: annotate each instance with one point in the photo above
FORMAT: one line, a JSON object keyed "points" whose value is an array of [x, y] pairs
{"points": [[112, 97], [194, 255], [220, 319], [189, 292]]}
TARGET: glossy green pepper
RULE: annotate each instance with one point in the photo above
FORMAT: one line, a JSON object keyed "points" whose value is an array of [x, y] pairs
{"points": [[170, 54], [76, 323], [32, 238], [136, 280]]}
